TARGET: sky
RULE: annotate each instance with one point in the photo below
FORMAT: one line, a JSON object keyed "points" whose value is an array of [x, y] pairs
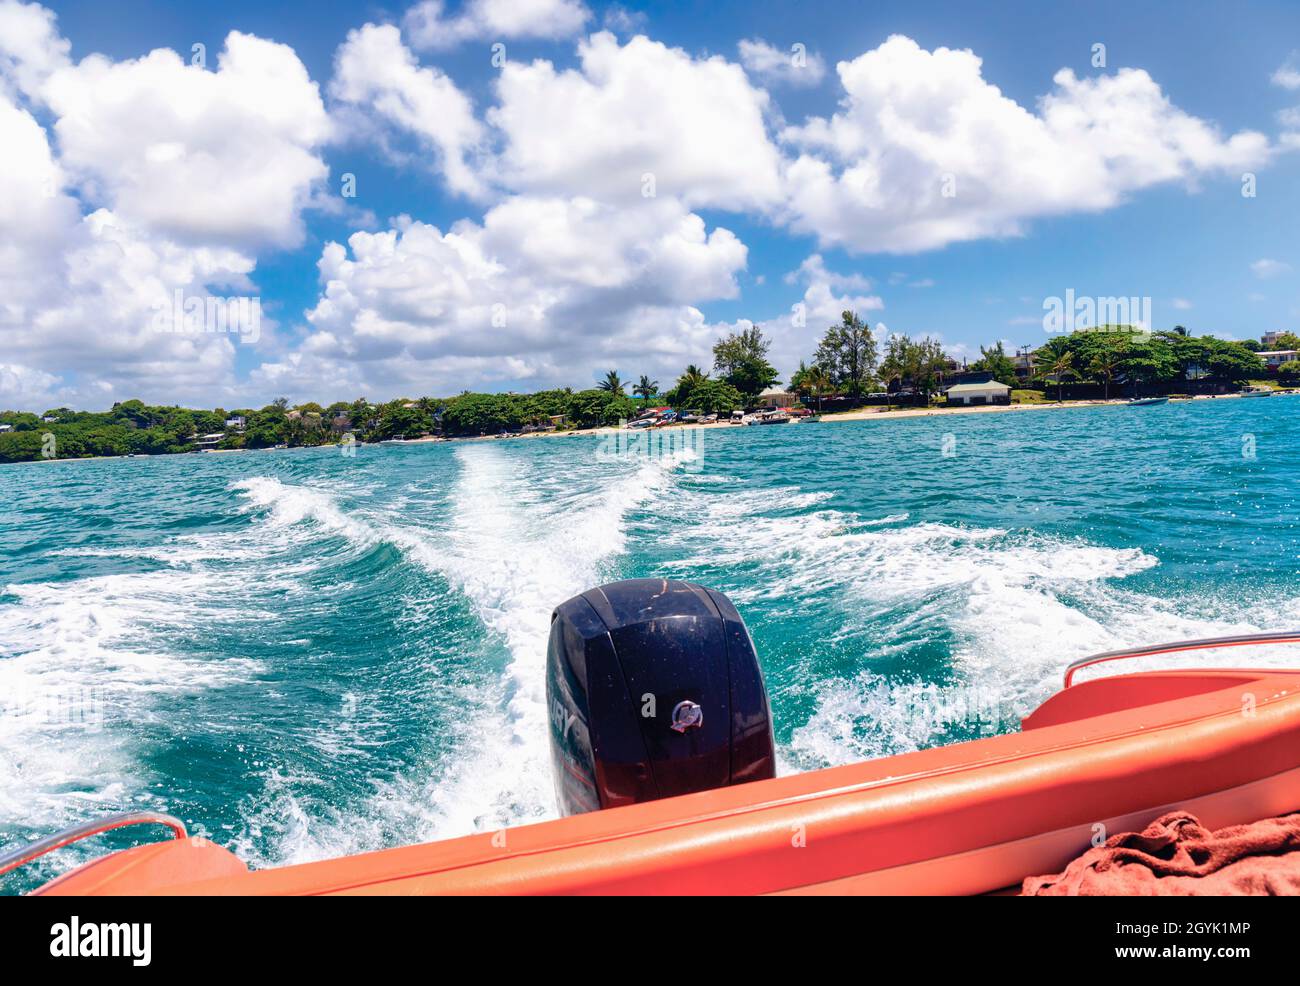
{"points": [[221, 204]]}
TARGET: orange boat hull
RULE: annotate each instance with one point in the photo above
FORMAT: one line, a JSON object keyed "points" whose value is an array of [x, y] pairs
{"points": [[1102, 757]]}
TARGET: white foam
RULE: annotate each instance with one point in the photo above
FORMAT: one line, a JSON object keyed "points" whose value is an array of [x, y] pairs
{"points": [[292, 505], [515, 562], [515, 553], [1015, 606], [77, 674], [83, 662]]}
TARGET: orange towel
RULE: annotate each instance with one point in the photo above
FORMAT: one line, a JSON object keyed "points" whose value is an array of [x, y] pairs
{"points": [[1175, 856]]}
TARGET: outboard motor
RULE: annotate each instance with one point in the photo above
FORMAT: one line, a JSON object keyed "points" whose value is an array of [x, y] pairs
{"points": [[654, 690]]}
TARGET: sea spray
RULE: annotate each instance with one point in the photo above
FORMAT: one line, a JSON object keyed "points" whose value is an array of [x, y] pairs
{"points": [[515, 562]]}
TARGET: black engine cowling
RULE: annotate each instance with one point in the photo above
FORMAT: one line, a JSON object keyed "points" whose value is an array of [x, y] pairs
{"points": [[653, 690]]}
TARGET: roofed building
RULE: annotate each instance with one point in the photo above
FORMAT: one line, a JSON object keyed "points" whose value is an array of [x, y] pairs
{"points": [[985, 392]]}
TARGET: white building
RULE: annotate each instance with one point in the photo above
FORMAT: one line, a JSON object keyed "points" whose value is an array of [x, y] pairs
{"points": [[988, 392], [1276, 357], [776, 397]]}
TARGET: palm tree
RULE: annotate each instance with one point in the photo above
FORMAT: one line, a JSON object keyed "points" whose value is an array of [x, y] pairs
{"points": [[646, 388], [818, 381], [892, 367], [1062, 364], [612, 383], [1105, 363], [693, 375]]}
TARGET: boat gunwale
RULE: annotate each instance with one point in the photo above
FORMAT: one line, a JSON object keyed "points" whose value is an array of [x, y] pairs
{"points": [[822, 796]]}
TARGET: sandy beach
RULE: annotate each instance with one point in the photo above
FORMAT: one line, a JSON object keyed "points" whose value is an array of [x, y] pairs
{"points": [[860, 414]]}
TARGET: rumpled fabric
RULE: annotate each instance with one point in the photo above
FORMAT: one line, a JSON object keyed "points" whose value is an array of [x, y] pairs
{"points": [[1175, 856]]}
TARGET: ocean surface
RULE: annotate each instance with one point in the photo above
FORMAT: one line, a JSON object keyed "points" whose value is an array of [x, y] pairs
{"points": [[303, 653]]}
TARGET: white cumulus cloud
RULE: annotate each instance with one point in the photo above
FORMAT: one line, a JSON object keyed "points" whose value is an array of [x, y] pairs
{"points": [[795, 67], [429, 25], [637, 118], [548, 290], [230, 155], [375, 72], [926, 152], [79, 294], [1288, 73]]}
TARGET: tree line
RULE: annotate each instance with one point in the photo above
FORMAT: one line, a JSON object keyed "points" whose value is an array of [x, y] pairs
{"points": [[848, 361]]}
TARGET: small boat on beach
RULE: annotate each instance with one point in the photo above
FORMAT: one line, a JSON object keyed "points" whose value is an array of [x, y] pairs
{"points": [[1147, 401], [687, 802], [1256, 391]]}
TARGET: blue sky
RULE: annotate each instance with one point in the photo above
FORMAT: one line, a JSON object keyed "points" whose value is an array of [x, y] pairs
{"points": [[1161, 214]]}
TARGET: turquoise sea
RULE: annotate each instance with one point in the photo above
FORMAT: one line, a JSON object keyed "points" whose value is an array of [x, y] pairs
{"points": [[303, 653]]}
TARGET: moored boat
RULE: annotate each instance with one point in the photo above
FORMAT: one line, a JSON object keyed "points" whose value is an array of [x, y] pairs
{"points": [[1256, 391], [1147, 401]]}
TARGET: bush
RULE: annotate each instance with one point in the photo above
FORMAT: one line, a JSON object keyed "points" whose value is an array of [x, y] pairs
{"points": [[713, 397], [482, 414], [1289, 373], [1029, 397], [589, 408]]}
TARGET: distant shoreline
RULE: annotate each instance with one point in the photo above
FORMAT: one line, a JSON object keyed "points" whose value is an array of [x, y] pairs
{"points": [[858, 414]]}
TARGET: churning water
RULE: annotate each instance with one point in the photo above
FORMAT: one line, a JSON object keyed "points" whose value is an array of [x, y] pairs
{"points": [[304, 653]]}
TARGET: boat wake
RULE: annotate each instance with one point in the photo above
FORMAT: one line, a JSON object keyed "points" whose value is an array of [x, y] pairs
{"points": [[82, 667], [924, 633], [516, 544]]}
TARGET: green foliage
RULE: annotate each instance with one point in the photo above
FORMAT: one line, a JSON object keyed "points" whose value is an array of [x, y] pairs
{"points": [[482, 414], [1289, 373], [87, 434], [741, 359], [266, 428], [646, 388], [591, 408], [919, 363], [847, 353], [691, 377], [845, 361], [20, 420], [1205, 357], [397, 420], [713, 397], [540, 407], [1122, 355], [612, 383], [995, 361], [20, 446], [1028, 397], [488, 414]]}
